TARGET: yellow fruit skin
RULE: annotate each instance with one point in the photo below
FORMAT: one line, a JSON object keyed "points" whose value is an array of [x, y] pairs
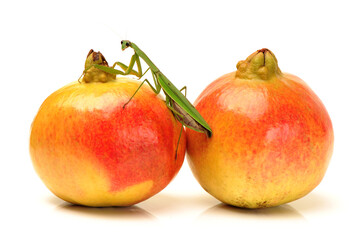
{"points": [[88, 150], [272, 140]]}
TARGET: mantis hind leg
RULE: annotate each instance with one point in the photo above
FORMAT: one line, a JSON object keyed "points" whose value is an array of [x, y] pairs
{"points": [[181, 121], [185, 90]]}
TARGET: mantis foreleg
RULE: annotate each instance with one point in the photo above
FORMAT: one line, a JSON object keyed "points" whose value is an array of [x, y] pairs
{"points": [[133, 60], [129, 69], [125, 67]]}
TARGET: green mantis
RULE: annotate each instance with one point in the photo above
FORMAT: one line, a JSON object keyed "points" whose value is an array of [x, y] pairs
{"points": [[182, 109]]}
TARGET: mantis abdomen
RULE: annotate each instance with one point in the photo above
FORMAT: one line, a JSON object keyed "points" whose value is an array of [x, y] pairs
{"points": [[187, 120]]}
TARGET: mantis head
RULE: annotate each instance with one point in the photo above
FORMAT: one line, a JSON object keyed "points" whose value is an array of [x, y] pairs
{"points": [[125, 44]]}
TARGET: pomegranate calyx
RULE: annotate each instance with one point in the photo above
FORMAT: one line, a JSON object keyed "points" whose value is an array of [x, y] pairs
{"points": [[261, 64], [93, 74]]}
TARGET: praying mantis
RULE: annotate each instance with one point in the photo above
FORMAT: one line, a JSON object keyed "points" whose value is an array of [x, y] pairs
{"points": [[181, 108]]}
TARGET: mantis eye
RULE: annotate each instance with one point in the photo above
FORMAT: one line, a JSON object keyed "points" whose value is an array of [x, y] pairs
{"points": [[121, 42]]}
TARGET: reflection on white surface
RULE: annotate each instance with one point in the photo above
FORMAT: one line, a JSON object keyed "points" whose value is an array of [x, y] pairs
{"points": [[202, 208], [131, 213], [200, 213], [281, 212], [165, 203], [315, 202]]}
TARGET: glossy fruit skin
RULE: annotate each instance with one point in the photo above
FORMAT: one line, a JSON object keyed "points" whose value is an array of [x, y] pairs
{"points": [[88, 150], [272, 140]]}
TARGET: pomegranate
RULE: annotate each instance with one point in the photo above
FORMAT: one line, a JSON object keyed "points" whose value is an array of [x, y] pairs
{"points": [[272, 136], [89, 150]]}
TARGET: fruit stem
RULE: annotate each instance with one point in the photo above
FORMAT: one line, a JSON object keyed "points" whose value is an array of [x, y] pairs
{"points": [[93, 74], [261, 64]]}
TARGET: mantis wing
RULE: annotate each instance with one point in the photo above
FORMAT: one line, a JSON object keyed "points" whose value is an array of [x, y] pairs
{"points": [[192, 117]]}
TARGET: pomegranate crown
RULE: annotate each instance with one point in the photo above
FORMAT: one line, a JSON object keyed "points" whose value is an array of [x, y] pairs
{"points": [[93, 74], [261, 64]]}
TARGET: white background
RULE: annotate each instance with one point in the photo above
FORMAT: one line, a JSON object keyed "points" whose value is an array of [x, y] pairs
{"points": [[44, 45]]}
